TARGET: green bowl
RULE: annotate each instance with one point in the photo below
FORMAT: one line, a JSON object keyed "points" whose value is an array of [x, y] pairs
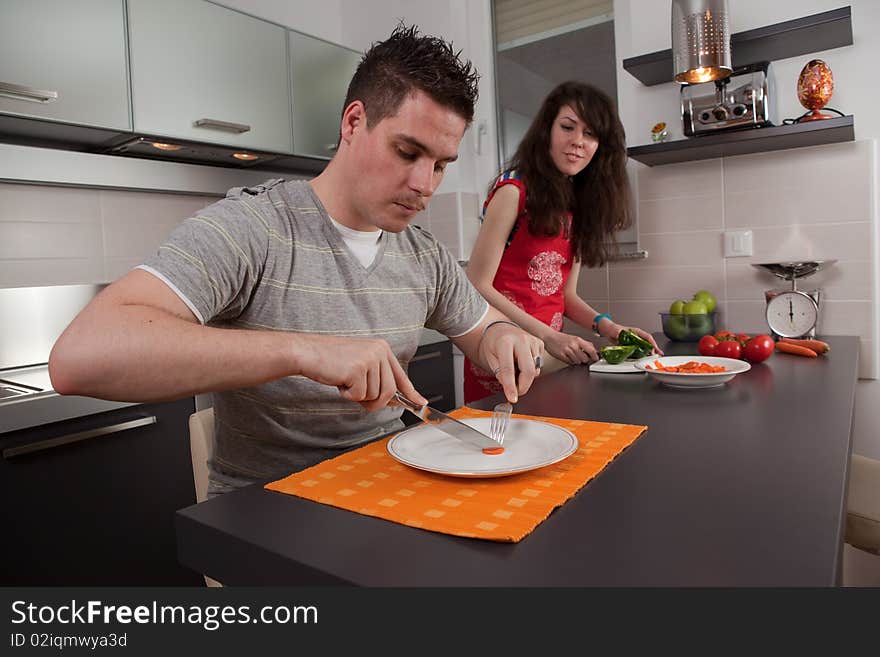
{"points": [[687, 328]]}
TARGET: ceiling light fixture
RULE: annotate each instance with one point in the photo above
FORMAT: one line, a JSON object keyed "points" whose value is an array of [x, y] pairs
{"points": [[166, 147], [700, 40]]}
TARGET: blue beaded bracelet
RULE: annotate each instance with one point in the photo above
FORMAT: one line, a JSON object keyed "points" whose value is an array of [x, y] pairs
{"points": [[597, 319]]}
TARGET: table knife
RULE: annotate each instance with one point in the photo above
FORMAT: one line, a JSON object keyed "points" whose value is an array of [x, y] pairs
{"points": [[447, 424]]}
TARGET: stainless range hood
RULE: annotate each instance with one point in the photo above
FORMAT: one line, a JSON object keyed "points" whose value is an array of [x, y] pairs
{"points": [[202, 153], [28, 131]]}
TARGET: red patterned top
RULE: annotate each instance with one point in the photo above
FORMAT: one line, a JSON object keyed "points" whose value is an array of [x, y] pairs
{"points": [[532, 274]]}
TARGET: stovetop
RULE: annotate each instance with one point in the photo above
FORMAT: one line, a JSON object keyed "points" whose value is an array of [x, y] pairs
{"points": [[28, 400], [25, 381]]}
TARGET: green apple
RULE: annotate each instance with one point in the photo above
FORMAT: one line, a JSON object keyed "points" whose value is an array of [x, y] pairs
{"points": [[676, 327], [698, 326], [695, 308], [677, 307], [707, 298]]}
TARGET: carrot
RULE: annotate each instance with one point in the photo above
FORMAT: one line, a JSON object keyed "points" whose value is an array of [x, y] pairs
{"points": [[790, 348], [818, 346], [690, 367], [493, 450]]}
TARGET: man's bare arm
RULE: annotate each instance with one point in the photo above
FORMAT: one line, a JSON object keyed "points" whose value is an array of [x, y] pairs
{"points": [[137, 341]]}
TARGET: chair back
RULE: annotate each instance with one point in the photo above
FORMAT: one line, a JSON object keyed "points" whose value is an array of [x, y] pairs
{"points": [[863, 504], [201, 447]]}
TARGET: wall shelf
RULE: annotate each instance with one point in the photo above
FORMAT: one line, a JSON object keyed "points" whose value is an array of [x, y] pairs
{"points": [[801, 36], [743, 142]]}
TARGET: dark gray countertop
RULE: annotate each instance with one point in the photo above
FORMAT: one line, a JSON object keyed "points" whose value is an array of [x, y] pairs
{"points": [[743, 485]]}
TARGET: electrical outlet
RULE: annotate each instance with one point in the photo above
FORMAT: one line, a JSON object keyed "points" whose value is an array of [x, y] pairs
{"points": [[738, 243]]}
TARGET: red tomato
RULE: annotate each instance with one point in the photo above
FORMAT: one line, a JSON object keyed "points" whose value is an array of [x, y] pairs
{"points": [[758, 349], [742, 338], [728, 349], [706, 345], [724, 335]]}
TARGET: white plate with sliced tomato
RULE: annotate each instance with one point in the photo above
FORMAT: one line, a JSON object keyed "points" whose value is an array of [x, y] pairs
{"points": [[692, 371]]}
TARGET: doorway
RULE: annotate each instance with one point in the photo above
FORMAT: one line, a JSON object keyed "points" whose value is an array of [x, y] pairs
{"points": [[541, 43]]}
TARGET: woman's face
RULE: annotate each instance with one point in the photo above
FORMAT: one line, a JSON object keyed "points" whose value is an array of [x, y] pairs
{"points": [[572, 142]]}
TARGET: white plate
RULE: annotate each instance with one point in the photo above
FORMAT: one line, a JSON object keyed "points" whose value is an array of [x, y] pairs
{"points": [[698, 380], [626, 367], [528, 444]]}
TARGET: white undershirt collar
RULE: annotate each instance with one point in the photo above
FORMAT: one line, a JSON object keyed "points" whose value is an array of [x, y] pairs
{"points": [[363, 244]]}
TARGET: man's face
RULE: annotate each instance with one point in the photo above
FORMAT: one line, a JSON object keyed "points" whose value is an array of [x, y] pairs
{"points": [[396, 165]]}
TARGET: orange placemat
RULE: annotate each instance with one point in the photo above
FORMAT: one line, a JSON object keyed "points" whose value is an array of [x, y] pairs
{"points": [[369, 481]]}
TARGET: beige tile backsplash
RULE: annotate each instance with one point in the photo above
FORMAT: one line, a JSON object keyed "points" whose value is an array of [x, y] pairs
{"points": [[45, 203], [803, 168], [443, 209], [52, 235], [634, 283], [848, 279], [681, 213], [807, 203], [61, 235], [55, 271], [702, 178], [784, 206], [688, 248], [454, 219], [593, 284], [49, 239]]}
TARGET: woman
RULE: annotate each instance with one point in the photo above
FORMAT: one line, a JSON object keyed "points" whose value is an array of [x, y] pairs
{"points": [[558, 205]]}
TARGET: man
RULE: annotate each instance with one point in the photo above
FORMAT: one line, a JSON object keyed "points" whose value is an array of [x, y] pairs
{"points": [[296, 302]]}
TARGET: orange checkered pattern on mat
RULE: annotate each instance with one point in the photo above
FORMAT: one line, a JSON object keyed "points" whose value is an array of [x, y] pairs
{"points": [[369, 481]]}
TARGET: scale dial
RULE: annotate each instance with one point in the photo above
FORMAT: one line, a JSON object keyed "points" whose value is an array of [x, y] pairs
{"points": [[792, 314]]}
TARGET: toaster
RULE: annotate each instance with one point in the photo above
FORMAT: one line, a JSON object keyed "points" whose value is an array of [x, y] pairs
{"points": [[745, 99]]}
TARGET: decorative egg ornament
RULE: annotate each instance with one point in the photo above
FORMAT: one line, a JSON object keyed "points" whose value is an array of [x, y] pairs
{"points": [[814, 89]]}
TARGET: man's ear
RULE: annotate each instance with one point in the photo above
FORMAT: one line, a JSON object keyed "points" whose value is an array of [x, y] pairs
{"points": [[353, 118]]}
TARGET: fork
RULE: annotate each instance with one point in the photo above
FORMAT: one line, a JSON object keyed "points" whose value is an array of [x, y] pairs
{"points": [[498, 424]]}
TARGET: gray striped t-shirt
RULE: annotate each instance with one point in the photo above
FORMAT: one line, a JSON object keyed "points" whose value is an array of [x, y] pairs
{"points": [[268, 258]]}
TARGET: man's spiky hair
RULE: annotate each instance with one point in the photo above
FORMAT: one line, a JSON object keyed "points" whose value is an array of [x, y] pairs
{"points": [[407, 62]]}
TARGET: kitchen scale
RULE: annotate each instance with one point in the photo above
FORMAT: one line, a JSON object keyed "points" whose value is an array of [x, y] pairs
{"points": [[793, 313]]}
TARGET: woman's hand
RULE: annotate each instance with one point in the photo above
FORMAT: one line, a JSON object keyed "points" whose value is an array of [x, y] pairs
{"points": [[615, 330], [570, 349]]}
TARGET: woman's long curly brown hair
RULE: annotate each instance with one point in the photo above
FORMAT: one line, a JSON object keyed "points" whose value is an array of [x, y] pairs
{"points": [[598, 197]]}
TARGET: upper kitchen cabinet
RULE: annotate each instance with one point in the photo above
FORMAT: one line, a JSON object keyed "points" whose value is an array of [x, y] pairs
{"points": [[205, 73], [319, 75], [64, 62]]}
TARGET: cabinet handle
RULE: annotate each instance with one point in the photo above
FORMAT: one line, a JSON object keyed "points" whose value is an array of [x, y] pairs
{"points": [[222, 125], [49, 443], [428, 356], [21, 92], [331, 147]]}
